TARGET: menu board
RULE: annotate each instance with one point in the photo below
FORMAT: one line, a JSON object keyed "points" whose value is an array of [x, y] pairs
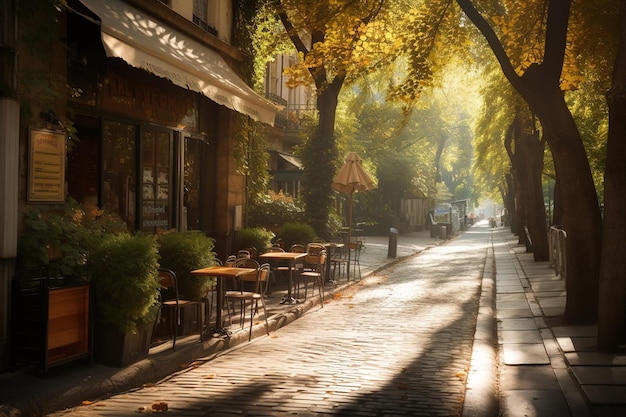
{"points": [[46, 166]]}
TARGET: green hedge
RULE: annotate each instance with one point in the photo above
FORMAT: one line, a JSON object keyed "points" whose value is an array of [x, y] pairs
{"points": [[292, 233], [182, 252]]}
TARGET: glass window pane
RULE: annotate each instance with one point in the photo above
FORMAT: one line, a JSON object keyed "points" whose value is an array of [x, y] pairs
{"points": [[120, 176], [156, 184]]}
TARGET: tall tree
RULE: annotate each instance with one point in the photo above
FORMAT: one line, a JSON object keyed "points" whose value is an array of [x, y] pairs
{"points": [[335, 40], [540, 86], [612, 315], [526, 150]]}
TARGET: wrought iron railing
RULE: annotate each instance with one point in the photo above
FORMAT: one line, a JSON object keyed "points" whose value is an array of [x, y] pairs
{"points": [[558, 254]]}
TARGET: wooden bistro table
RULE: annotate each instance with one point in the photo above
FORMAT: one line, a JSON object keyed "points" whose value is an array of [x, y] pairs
{"points": [[221, 272], [291, 258]]}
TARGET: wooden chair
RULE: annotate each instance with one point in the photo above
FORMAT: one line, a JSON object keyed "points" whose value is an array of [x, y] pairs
{"points": [[251, 288], [313, 271]]}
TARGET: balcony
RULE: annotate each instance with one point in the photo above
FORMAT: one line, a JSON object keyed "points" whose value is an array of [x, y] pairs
{"points": [[204, 25], [292, 116]]}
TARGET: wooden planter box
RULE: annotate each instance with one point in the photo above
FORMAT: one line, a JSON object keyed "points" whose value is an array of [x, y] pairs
{"points": [[50, 322], [118, 349]]}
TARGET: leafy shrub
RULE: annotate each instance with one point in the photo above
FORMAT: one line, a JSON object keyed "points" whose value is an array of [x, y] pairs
{"points": [[292, 233], [256, 237], [126, 282], [182, 252], [59, 238], [273, 210]]}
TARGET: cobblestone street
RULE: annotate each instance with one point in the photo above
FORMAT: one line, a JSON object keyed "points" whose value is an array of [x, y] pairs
{"points": [[396, 344]]}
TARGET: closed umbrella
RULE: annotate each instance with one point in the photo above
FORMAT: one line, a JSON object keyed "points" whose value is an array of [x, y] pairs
{"points": [[351, 178]]}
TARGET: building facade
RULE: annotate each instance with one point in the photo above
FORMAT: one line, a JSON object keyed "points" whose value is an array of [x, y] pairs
{"points": [[144, 127], [298, 105]]}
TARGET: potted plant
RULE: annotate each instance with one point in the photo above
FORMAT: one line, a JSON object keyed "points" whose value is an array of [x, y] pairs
{"points": [[182, 252], [126, 287], [51, 285]]}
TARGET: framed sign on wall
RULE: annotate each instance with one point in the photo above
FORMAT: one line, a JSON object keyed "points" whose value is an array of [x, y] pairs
{"points": [[46, 166]]}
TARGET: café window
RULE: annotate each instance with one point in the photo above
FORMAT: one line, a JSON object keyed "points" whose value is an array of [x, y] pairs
{"points": [[119, 170], [156, 179], [199, 180]]}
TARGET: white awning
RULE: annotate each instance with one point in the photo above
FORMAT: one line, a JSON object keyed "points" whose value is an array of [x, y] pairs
{"points": [[145, 43]]}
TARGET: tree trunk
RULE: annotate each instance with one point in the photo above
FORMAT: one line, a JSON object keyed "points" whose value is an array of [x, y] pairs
{"points": [[319, 163], [531, 158], [510, 204], [581, 212], [612, 298], [557, 214]]}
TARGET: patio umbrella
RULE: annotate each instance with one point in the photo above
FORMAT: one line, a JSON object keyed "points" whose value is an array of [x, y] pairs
{"points": [[351, 178]]}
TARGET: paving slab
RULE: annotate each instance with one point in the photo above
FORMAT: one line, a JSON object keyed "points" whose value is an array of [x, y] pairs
{"points": [[511, 298], [517, 324], [551, 302], [519, 336], [577, 344], [534, 403], [524, 354], [604, 375], [515, 305], [514, 313], [539, 377], [594, 359], [605, 394], [544, 286], [575, 331], [510, 289]]}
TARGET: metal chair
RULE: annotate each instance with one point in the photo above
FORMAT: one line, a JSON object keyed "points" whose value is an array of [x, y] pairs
{"points": [[355, 258], [230, 260], [169, 300], [243, 253], [251, 288], [273, 271], [211, 294], [337, 258], [233, 286], [299, 248]]}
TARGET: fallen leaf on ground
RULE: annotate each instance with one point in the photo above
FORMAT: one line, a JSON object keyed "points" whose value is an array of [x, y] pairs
{"points": [[160, 407]]}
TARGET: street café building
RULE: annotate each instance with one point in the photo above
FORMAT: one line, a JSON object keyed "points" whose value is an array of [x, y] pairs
{"points": [[157, 105]]}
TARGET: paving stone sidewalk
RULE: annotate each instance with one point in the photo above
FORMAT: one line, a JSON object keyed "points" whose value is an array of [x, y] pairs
{"points": [[73, 383], [548, 368], [524, 361], [398, 343]]}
